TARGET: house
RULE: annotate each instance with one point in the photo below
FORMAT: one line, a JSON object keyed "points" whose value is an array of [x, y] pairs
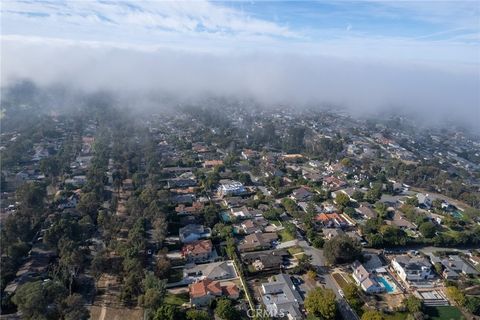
{"points": [[248, 154], [248, 227], [213, 271], [203, 292], [212, 163], [365, 279], [193, 232], [424, 200], [330, 233], [366, 211], [265, 260], [412, 268], [331, 220], [231, 188], [257, 241], [281, 298], [453, 266], [197, 251], [301, 194], [196, 208], [241, 213], [233, 202], [348, 191], [181, 183], [401, 221], [333, 182]]}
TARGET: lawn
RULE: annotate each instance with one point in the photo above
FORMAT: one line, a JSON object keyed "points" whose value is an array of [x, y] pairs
{"points": [[340, 280], [396, 316], [285, 236], [176, 299], [444, 313], [294, 250]]}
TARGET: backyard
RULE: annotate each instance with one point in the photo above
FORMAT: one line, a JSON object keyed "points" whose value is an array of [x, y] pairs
{"points": [[444, 313]]}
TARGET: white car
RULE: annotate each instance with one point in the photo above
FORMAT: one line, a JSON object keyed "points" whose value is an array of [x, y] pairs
{"points": [[340, 292]]}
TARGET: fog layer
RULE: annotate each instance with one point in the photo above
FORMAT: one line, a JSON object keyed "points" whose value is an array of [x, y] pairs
{"points": [[270, 78]]}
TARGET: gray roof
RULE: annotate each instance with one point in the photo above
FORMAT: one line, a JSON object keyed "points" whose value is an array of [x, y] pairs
{"points": [[281, 294], [215, 270], [410, 263]]}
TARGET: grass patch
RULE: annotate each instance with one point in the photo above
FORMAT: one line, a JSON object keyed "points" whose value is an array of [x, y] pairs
{"points": [[340, 280], [396, 316], [176, 299], [294, 250], [285, 236], [444, 313], [275, 223]]}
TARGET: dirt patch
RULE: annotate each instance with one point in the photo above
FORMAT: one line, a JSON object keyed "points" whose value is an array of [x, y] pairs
{"points": [[112, 313]]}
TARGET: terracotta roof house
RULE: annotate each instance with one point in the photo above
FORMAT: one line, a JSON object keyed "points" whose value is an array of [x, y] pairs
{"points": [[203, 292], [198, 251], [331, 220]]}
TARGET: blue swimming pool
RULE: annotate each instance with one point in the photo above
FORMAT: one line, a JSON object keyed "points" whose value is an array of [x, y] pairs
{"points": [[457, 214], [388, 286], [225, 216]]}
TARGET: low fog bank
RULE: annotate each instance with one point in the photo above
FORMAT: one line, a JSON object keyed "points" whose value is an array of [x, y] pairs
{"points": [[167, 77]]}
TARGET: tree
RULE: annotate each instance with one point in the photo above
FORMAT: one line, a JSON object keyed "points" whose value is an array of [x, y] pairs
{"points": [[154, 289], [358, 195], [73, 308], [427, 229], [342, 199], [162, 265], [372, 315], [193, 314], [321, 303], [455, 295], [473, 305], [311, 274], [159, 230], [210, 216], [39, 300], [225, 310], [166, 312], [413, 304], [342, 249], [381, 209], [289, 205]]}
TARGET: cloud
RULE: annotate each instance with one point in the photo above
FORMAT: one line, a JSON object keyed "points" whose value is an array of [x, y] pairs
{"points": [[270, 78]]}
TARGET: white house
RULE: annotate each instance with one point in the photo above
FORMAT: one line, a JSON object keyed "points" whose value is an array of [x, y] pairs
{"points": [[412, 269], [365, 279]]}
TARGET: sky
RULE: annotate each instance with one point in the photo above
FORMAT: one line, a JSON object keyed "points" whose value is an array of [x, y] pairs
{"points": [[361, 54]]}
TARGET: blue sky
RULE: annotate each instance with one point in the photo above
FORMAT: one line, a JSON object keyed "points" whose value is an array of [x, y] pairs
{"points": [[436, 32]]}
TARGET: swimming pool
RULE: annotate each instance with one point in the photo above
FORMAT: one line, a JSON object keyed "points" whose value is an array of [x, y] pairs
{"points": [[457, 214], [225, 216], [389, 287]]}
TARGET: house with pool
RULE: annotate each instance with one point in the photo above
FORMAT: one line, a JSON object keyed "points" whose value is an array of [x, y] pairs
{"points": [[373, 281]]}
